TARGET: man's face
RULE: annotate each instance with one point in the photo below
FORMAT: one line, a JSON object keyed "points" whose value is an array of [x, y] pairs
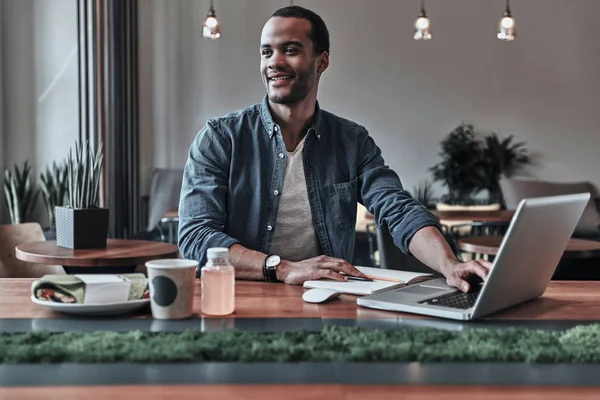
{"points": [[288, 64]]}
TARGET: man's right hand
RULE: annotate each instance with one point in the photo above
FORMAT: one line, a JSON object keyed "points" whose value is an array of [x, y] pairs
{"points": [[296, 273]]}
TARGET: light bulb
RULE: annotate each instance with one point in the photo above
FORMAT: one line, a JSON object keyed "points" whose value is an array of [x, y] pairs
{"points": [[211, 22], [507, 22], [211, 29], [422, 23]]}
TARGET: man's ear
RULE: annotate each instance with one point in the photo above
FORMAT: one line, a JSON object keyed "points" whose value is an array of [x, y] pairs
{"points": [[323, 62]]}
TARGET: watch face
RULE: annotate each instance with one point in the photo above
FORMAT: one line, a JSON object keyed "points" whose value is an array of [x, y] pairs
{"points": [[273, 261]]}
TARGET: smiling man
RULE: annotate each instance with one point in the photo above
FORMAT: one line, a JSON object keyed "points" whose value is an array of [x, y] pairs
{"points": [[278, 182]]}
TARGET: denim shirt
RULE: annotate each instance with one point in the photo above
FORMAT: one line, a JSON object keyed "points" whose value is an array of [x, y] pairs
{"points": [[234, 174]]}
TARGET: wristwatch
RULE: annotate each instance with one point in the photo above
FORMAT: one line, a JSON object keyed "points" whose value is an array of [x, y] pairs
{"points": [[270, 267]]}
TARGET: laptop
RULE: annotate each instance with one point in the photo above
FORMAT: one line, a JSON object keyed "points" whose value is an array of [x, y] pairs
{"points": [[526, 260]]}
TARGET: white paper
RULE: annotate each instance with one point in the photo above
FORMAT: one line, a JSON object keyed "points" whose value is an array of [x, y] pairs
{"points": [[404, 276], [352, 287], [366, 288], [105, 288]]}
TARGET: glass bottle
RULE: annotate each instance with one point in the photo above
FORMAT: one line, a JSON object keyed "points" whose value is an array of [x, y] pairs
{"points": [[218, 283]]}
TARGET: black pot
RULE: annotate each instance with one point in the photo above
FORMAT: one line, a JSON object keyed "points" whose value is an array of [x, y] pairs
{"points": [[85, 228]]}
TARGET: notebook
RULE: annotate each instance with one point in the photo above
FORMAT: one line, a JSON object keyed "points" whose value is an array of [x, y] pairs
{"points": [[383, 279]]}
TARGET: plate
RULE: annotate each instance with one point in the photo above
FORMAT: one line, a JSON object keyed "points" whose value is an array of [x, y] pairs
{"points": [[94, 309]]}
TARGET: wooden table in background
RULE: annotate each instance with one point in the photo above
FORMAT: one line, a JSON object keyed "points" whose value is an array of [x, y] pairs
{"points": [[479, 216], [562, 301], [120, 255], [576, 248]]}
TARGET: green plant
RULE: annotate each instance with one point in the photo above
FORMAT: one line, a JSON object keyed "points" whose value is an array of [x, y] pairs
{"points": [[83, 176], [461, 158], [19, 194], [54, 186], [423, 192], [500, 158]]}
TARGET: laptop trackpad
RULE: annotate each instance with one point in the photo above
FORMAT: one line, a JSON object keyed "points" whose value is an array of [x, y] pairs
{"points": [[422, 290]]}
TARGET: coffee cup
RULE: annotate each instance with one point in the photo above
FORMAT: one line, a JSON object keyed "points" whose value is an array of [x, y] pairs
{"points": [[172, 284]]}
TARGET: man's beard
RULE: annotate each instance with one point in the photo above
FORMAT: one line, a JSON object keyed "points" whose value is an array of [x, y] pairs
{"points": [[299, 90]]}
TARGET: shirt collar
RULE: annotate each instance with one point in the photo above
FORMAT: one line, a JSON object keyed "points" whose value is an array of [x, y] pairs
{"points": [[272, 127]]}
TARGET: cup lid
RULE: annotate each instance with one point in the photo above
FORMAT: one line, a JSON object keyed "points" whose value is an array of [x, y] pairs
{"points": [[172, 263], [217, 252]]}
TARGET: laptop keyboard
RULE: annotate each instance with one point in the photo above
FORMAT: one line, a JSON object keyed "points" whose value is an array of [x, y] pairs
{"points": [[456, 299]]}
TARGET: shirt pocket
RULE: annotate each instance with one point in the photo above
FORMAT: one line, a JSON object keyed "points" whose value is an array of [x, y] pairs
{"points": [[343, 198]]}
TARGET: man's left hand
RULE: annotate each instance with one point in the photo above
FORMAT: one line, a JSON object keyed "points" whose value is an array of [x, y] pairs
{"points": [[457, 273]]}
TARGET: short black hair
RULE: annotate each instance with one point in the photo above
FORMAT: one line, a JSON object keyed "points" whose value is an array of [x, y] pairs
{"points": [[319, 33]]}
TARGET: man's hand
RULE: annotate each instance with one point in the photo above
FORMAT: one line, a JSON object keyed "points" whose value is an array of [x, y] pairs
{"points": [[296, 273], [458, 273]]}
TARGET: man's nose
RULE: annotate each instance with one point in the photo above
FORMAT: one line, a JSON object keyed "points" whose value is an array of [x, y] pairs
{"points": [[276, 61]]}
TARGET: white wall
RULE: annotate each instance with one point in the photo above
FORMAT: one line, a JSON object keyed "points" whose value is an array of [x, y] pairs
{"points": [[39, 73], [543, 88]]}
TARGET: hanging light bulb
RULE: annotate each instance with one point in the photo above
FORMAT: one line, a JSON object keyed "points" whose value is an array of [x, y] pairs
{"points": [[506, 30], [211, 29], [422, 25]]}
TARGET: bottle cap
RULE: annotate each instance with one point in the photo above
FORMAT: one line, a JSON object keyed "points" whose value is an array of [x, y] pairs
{"points": [[217, 252]]}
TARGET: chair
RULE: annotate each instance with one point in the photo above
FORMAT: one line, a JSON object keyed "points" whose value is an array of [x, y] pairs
{"points": [[516, 189], [165, 189], [391, 257], [588, 227], [14, 235]]}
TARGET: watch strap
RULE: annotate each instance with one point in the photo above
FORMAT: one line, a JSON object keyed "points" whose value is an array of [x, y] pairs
{"points": [[269, 273]]}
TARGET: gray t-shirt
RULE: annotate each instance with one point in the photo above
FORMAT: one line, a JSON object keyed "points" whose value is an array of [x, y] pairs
{"points": [[295, 238]]}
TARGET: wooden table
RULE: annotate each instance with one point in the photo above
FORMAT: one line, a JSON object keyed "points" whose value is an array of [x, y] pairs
{"points": [[561, 301], [479, 216], [576, 248], [172, 214], [120, 255]]}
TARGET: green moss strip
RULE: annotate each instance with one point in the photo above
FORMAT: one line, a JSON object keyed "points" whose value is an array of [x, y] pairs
{"points": [[580, 344]]}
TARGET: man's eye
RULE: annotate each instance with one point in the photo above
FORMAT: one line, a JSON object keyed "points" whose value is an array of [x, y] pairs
{"points": [[290, 50], [266, 52]]}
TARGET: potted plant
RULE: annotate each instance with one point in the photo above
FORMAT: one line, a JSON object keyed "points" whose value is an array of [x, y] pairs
{"points": [[54, 187], [500, 158], [461, 159], [423, 192], [19, 194], [82, 224]]}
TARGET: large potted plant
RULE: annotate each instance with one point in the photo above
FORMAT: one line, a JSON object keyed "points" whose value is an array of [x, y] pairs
{"points": [[461, 159], [501, 158], [82, 224], [19, 194], [54, 187]]}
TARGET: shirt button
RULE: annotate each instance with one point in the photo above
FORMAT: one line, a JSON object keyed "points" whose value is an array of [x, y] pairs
{"points": [[280, 155], [269, 228], [275, 192]]}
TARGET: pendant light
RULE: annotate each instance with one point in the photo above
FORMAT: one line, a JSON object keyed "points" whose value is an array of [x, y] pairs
{"points": [[422, 25], [211, 29], [506, 29]]}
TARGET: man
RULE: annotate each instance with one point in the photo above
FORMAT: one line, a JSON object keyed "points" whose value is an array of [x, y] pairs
{"points": [[278, 183]]}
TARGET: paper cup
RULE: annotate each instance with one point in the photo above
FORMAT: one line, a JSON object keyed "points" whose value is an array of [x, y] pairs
{"points": [[172, 284]]}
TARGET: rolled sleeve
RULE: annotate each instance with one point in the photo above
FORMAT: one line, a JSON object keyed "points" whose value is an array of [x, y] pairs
{"points": [[383, 195]]}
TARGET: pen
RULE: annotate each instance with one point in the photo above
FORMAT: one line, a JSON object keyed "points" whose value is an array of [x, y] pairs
{"points": [[358, 278]]}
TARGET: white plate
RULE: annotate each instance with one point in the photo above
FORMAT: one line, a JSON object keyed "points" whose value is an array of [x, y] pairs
{"points": [[94, 309]]}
